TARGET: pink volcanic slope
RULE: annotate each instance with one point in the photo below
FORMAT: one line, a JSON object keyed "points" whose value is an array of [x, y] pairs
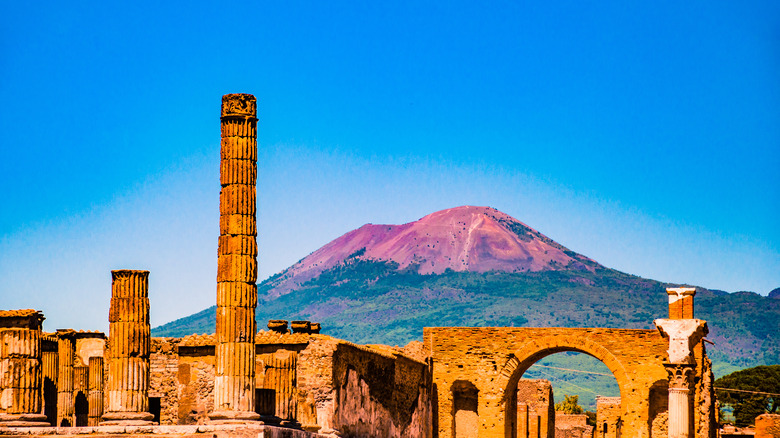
{"points": [[467, 238]]}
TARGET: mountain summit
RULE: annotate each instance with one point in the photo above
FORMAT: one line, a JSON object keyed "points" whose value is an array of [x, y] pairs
{"points": [[474, 239]]}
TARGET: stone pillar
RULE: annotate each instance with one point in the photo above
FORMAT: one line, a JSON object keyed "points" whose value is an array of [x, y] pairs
{"points": [[95, 390], [680, 302], [20, 368], [66, 350], [234, 379], [80, 392], [680, 406], [278, 403], [128, 350], [522, 420], [50, 363], [533, 425], [683, 335]]}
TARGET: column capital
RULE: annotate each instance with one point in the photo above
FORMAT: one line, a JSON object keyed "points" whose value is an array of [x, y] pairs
{"points": [[677, 293], [239, 105], [683, 335], [680, 376]]}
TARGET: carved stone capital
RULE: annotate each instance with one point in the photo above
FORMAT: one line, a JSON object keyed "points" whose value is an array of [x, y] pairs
{"points": [[239, 105], [680, 376], [678, 293], [683, 335]]}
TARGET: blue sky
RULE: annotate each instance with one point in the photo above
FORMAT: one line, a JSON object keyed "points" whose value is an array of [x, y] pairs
{"points": [[643, 135]]}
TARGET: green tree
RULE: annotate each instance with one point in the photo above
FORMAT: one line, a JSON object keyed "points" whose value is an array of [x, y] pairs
{"points": [[754, 391], [569, 405]]}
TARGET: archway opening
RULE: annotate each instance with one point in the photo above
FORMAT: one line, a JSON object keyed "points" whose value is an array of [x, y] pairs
{"points": [[465, 398], [565, 389]]}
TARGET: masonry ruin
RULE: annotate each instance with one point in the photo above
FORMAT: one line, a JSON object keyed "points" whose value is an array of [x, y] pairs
{"points": [[289, 379]]}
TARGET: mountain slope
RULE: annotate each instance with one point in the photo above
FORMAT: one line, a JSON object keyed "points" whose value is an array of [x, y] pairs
{"points": [[384, 283]]}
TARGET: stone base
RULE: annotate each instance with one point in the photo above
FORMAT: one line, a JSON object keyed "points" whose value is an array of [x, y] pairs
{"points": [[234, 417], [23, 420], [127, 419]]}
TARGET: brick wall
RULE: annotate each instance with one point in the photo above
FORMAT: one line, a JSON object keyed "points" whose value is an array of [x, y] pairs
{"points": [[493, 359]]}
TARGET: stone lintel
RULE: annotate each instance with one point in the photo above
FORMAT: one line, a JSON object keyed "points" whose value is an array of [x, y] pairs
{"points": [[683, 335], [21, 319]]}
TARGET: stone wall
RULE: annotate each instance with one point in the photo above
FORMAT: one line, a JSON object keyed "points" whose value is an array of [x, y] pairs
{"points": [[768, 426], [493, 359], [537, 396], [608, 417], [163, 380], [364, 391], [572, 426]]}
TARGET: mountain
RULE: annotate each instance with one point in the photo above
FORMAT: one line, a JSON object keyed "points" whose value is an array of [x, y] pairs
{"points": [[476, 266], [474, 239]]}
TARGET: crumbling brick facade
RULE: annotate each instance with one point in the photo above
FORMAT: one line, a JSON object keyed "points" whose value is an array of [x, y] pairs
{"points": [[494, 359]]}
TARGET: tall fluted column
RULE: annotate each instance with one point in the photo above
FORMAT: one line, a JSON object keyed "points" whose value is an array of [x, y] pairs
{"points": [[20, 368], [234, 381], [66, 350], [95, 390], [680, 407], [128, 350]]}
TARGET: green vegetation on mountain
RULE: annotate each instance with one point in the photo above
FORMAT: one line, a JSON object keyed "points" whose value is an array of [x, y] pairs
{"points": [[369, 301], [754, 391]]}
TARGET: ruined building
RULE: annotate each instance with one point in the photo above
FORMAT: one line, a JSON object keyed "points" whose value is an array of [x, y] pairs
{"points": [[457, 382]]}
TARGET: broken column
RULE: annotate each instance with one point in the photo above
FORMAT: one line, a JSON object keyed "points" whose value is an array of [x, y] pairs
{"points": [[127, 395], [66, 350], [683, 333], [95, 397], [20, 368], [234, 380], [680, 302]]}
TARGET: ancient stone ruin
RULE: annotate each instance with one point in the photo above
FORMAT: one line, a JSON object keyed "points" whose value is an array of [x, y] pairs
{"points": [[291, 380]]}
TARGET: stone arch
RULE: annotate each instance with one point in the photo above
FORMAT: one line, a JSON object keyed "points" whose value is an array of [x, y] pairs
{"points": [[531, 352]]}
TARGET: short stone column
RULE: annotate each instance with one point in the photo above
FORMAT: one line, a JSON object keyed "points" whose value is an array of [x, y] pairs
{"points": [[278, 403], [234, 374], [683, 335], [680, 302], [95, 397], [66, 350], [20, 368], [127, 395], [680, 406], [50, 363], [80, 394]]}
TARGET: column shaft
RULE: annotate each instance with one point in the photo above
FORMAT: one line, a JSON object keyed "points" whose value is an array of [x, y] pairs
{"points": [[127, 392], [65, 350], [680, 403], [95, 390], [234, 381], [20, 368]]}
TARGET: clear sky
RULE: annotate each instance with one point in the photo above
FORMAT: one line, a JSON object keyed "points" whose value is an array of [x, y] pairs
{"points": [[645, 135]]}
